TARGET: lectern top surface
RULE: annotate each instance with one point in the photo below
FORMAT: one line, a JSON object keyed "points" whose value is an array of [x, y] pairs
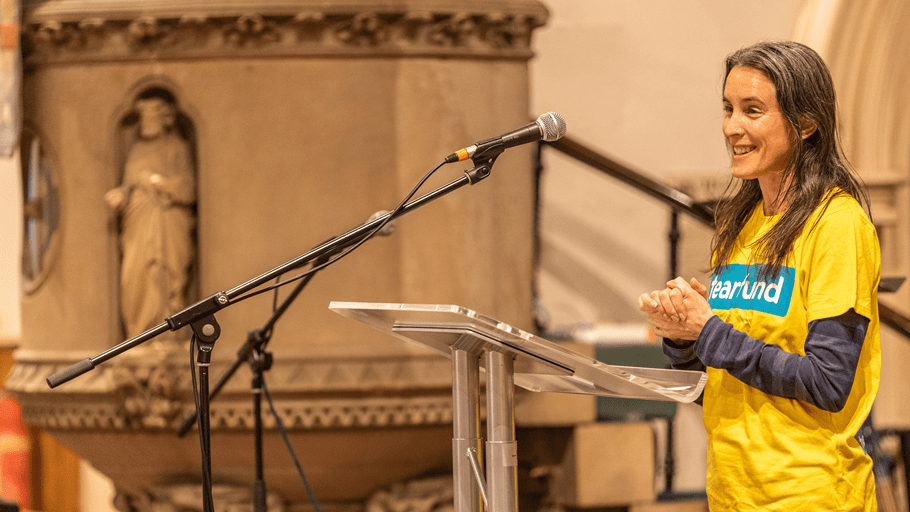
{"points": [[540, 365]]}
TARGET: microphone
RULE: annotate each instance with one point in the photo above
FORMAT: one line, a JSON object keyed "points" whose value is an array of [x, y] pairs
{"points": [[548, 127]]}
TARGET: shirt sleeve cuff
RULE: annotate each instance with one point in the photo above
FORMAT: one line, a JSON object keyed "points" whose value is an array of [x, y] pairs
{"points": [[679, 354]]}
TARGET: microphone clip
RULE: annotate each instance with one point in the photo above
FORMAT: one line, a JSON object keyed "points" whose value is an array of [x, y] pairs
{"points": [[483, 166]]}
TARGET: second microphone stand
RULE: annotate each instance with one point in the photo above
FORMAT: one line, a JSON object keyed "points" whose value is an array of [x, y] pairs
{"points": [[253, 352]]}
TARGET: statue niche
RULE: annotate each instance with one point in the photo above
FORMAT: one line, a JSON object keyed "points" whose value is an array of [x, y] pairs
{"points": [[155, 203]]}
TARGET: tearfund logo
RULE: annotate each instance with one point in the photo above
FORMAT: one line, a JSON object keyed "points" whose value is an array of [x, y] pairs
{"points": [[738, 287]]}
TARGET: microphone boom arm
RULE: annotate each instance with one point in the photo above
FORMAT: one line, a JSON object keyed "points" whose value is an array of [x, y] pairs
{"points": [[220, 300]]}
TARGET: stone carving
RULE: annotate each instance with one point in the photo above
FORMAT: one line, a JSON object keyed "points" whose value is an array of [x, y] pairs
{"points": [[51, 37], [53, 33], [433, 494], [155, 202], [146, 31], [158, 395], [364, 413], [452, 31], [188, 498], [150, 395], [148, 407], [251, 29], [366, 28]]}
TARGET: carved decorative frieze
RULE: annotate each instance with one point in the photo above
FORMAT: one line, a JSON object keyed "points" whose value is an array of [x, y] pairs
{"points": [[234, 414], [148, 396], [324, 375], [326, 394], [470, 30]]}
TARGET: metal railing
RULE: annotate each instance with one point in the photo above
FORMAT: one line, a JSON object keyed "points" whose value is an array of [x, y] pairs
{"points": [[680, 203]]}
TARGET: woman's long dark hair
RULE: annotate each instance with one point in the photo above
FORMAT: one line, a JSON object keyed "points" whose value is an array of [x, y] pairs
{"points": [[805, 93]]}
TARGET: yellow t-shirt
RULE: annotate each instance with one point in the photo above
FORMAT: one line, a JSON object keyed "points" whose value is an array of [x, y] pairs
{"points": [[770, 453]]}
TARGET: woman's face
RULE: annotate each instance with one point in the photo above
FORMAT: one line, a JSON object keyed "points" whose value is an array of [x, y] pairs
{"points": [[757, 133]]}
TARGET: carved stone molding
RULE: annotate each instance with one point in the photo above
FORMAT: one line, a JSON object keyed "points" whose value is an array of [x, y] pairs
{"points": [[116, 31], [237, 414], [380, 392], [325, 375]]}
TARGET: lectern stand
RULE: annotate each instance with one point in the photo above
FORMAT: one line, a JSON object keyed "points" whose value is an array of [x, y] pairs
{"points": [[509, 357]]}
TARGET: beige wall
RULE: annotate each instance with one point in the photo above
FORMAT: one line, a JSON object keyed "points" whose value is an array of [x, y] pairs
{"points": [[640, 81]]}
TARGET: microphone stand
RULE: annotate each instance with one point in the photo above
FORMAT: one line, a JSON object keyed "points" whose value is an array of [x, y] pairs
{"points": [[253, 352], [200, 316]]}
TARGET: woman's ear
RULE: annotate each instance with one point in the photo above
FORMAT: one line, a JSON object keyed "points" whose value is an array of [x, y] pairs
{"points": [[806, 127]]}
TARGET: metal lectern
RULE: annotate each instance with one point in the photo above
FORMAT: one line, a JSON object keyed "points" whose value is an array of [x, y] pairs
{"points": [[509, 357]]}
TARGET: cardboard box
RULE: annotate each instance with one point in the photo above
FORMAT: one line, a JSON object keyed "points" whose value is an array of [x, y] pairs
{"points": [[606, 464]]}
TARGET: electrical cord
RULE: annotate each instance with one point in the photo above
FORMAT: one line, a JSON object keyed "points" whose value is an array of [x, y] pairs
{"points": [[347, 251], [287, 442]]}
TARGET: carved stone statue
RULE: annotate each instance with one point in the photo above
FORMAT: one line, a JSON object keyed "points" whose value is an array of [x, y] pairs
{"points": [[428, 494], [155, 201]]}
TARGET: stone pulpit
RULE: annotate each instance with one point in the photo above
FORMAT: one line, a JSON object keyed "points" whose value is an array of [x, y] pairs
{"points": [[171, 150]]}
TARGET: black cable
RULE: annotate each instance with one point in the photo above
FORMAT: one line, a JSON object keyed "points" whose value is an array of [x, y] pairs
{"points": [[347, 251], [310, 493], [275, 297], [287, 441]]}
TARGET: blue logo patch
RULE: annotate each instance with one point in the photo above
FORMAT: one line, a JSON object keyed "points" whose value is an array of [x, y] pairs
{"points": [[737, 287]]}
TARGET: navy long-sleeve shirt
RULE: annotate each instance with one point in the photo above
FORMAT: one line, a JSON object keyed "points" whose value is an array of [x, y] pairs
{"points": [[823, 377]]}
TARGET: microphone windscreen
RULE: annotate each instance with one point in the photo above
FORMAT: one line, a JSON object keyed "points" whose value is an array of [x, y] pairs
{"points": [[552, 126]]}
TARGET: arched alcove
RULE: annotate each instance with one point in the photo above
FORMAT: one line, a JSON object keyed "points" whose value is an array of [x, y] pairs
{"points": [[154, 203], [866, 48]]}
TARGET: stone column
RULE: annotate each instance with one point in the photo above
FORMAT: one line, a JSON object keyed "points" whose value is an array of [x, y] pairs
{"points": [[302, 119]]}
